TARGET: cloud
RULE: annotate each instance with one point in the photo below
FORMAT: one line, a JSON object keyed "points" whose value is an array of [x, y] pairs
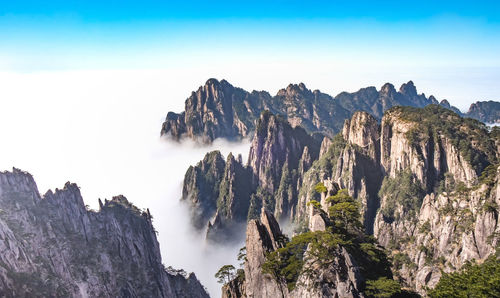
{"points": [[101, 130]]}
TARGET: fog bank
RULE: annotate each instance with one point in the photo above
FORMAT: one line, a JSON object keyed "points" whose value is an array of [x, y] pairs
{"points": [[101, 130]]}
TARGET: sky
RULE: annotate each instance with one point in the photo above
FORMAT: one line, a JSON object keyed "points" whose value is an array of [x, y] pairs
{"points": [[448, 48], [85, 85]]}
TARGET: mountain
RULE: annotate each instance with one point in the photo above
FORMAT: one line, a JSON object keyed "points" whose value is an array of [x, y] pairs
{"points": [[54, 246], [485, 111], [220, 110], [230, 193], [328, 261], [425, 179]]}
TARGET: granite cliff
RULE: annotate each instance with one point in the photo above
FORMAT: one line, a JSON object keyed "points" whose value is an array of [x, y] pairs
{"points": [[425, 179], [427, 183], [54, 246], [225, 195], [220, 110]]}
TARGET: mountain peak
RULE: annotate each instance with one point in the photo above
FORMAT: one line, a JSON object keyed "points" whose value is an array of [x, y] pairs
{"points": [[388, 88], [408, 89], [212, 81], [295, 89], [445, 103]]}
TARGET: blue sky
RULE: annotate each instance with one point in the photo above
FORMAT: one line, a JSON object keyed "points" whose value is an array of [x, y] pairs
{"points": [[82, 34], [439, 44]]}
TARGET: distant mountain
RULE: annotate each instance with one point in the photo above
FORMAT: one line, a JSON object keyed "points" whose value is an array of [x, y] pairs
{"points": [[220, 110], [54, 246], [485, 111]]}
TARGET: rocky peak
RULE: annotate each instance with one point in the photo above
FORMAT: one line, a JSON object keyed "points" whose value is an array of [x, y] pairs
{"points": [[387, 89], [54, 246], [260, 240], [201, 187], [485, 111], [363, 130], [274, 143], [445, 103], [433, 100], [293, 90], [408, 89]]}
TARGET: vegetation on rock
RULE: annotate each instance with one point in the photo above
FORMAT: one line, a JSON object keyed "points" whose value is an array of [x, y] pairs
{"points": [[307, 252], [473, 280]]}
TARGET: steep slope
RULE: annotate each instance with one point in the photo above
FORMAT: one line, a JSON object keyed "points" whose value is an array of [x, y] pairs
{"points": [[314, 264], [436, 188], [201, 187], [485, 111], [217, 110], [53, 246], [438, 201], [232, 204], [279, 155], [426, 181], [220, 110]]}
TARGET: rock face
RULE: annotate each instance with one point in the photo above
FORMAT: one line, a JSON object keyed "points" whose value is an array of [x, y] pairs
{"points": [[225, 195], [351, 161], [279, 154], [341, 279], [53, 246], [233, 202], [215, 110], [201, 187], [437, 201], [485, 111], [426, 180], [262, 237], [220, 110]]}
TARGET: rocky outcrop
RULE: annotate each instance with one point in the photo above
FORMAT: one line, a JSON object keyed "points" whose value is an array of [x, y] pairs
{"points": [[225, 195], [262, 237], [350, 162], [217, 110], [341, 278], [420, 164], [220, 110], [233, 202], [279, 154], [54, 246], [485, 111], [201, 188], [234, 289], [435, 192]]}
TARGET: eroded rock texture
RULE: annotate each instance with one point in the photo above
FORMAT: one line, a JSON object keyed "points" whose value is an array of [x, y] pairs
{"points": [[53, 246]]}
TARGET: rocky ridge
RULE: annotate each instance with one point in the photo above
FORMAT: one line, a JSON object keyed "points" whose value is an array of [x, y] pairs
{"points": [[343, 276], [486, 111], [426, 180], [436, 207], [220, 110], [54, 246], [279, 156]]}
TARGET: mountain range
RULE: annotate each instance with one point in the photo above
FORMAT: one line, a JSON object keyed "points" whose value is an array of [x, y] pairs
{"points": [[367, 194], [425, 179], [220, 110]]}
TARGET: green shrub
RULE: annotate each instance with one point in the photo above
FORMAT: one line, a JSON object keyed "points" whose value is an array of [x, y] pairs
{"points": [[404, 190], [471, 281], [382, 288]]}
